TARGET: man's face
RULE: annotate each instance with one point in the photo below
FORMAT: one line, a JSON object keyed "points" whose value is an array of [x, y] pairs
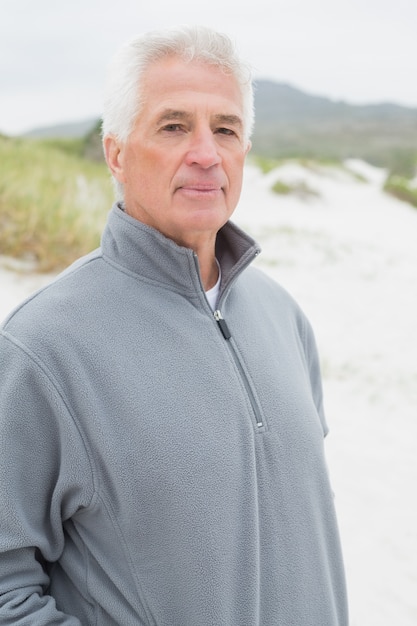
{"points": [[182, 165]]}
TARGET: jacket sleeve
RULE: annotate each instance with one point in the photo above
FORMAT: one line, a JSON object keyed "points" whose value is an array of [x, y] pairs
{"points": [[314, 371], [45, 478]]}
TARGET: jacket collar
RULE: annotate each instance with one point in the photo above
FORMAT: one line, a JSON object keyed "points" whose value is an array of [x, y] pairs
{"points": [[144, 251]]}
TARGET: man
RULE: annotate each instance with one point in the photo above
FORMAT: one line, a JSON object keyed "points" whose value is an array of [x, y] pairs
{"points": [[161, 411]]}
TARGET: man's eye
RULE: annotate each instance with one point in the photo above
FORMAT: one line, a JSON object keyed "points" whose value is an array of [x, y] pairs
{"points": [[226, 131], [172, 127]]}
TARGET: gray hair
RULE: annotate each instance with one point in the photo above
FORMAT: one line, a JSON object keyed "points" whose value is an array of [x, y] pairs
{"points": [[123, 98]]}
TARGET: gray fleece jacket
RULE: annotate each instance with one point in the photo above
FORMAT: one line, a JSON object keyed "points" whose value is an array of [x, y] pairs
{"points": [[160, 467]]}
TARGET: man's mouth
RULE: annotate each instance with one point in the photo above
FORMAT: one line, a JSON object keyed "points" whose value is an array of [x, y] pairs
{"points": [[200, 188]]}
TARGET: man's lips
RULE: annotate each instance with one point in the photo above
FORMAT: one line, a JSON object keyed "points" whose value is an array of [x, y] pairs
{"points": [[200, 188]]}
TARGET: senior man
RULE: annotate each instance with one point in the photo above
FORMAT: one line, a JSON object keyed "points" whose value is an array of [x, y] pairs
{"points": [[162, 426]]}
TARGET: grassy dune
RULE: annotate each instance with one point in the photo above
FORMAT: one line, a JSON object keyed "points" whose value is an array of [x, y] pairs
{"points": [[53, 202]]}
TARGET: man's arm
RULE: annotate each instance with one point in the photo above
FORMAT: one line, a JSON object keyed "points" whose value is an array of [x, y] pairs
{"points": [[313, 361], [41, 457]]}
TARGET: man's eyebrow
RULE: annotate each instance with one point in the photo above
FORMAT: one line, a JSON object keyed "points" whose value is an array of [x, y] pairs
{"points": [[170, 115], [228, 119]]}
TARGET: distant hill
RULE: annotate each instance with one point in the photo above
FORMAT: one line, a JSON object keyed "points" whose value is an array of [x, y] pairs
{"points": [[73, 130], [290, 122], [293, 123]]}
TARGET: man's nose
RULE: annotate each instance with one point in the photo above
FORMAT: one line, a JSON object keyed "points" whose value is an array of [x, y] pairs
{"points": [[203, 149]]}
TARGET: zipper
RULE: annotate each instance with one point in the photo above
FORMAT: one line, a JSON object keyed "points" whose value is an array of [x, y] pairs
{"points": [[221, 322], [227, 335]]}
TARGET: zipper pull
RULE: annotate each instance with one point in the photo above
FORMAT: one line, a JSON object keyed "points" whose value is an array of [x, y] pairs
{"points": [[222, 323]]}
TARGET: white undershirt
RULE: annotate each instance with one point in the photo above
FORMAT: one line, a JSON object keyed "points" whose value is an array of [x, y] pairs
{"points": [[212, 294]]}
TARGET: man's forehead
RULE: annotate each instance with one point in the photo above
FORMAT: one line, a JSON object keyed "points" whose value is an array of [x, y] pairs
{"points": [[172, 87], [171, 72]]}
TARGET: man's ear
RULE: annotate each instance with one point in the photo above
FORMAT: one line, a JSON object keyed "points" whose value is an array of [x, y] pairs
{"points": [[248, 147], [113, 152]]}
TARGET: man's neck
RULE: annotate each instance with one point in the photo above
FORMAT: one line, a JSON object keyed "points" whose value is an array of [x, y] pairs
{"points": [[205, 250], [209, 270]]}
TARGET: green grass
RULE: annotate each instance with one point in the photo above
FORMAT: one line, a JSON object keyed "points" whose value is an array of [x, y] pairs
{"points": [[402, 188], [299, 188], [53, 202], [281, 188], [265, 164]]}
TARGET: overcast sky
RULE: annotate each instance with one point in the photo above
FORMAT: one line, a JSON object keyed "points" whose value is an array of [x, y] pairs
{"points": [[53, 53]]}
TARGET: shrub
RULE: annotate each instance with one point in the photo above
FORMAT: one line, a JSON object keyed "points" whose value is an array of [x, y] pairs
{"points": [[299, 188], [281, 188], [53, 203], [402, 188]]}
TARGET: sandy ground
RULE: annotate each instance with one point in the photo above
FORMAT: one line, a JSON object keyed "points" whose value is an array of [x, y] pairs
{"points": [[349, 256]]}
